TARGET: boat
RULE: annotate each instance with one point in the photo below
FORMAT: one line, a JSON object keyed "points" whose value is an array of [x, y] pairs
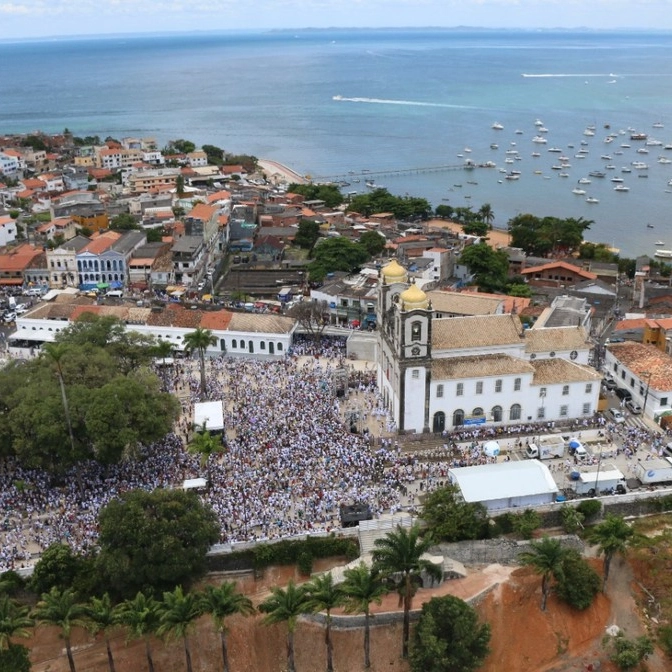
{"points": [[617, 179], [621, 187], [494, 145], [512, 151], [639, 165], [538, 122], [625, 169], [659, 243], [649, 226], [539, 139], [597, 173], [625, 146], [663, 254], [592, 199], [542, 129], [579, 156], [668, 147], [584, 180], [563, 174], [518, 132], [578, 192], [642, 175], [638, 136], [557, 150], [536, 154], [653, 143], [497, 126], [512, 176], [663, 159], [642, 150], [589, 132], [606, 157], [507, 160], [610, 167], [556, 167], [658, 124]]}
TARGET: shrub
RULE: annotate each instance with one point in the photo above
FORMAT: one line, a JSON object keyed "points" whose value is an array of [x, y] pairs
{"points": [[526, 523], [11, 582], [503, 524], [590, 508], [628, 653], [305, 563], [579, 583], [665, 639], [572, 519]]}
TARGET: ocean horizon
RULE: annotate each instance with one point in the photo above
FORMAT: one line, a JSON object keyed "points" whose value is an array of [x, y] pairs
{"points": [[345, 104]]}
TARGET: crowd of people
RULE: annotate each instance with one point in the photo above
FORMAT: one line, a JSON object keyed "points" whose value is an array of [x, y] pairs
{"points": [[295, 448]]}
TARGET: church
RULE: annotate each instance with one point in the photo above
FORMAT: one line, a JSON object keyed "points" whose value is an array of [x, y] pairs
{"points": [[444, 373]]}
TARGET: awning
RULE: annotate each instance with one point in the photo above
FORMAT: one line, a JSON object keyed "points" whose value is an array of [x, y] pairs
{"points": [[115, 284], [103, 285], [11, 281]]}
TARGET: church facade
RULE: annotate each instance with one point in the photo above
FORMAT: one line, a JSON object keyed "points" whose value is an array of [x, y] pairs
{"points": [[439, 374]]}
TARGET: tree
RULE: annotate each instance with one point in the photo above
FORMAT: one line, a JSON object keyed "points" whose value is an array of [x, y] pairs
{"points": [[124, 222], [323, 595], [177, 614], [486, 214], [519, 289], [628, 653], [546, 557], [16, 658], [141, 618], [450, 518], [215, 154], [55, 352], [312, 316], [60, 608], [102, 616], [329, 193], [476, 228], [362, 586], [204, 444], [444, 211], [57, 567], [373, 242], [199, 341], [180, 146], [221, 602], [285, 605], [155, 539], [490, 267], [400, 553], [449, 637], [612, 536], [336, 254], [179, 189], [578, 582], [14, 621], [307, 234]]}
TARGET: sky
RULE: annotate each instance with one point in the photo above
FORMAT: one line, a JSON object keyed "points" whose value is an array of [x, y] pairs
{"points": [[42, 18]]}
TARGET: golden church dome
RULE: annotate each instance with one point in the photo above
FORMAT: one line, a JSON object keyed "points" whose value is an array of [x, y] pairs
{"points": [[394, 272], [413, 298]]}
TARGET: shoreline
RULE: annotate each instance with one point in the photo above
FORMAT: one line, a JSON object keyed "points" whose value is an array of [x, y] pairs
{"points": [[277, 172]]}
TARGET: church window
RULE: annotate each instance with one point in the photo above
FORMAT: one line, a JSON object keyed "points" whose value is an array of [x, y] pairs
{"points": [[460, 390], [416, 331], [439, 391], [458, 418], [496, 413], [515, 412], [479, 387]]}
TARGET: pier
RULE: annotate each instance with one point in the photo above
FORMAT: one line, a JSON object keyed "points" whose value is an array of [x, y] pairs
{"points": [[367, 174]]}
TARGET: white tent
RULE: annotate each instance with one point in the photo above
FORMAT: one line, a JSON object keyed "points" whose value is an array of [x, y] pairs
{"points": [[491, 448], [194, 484], [211, 413]]}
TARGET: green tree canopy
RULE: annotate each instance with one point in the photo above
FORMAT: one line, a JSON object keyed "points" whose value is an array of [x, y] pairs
{"points": [[215, 154], [124, 222], [329, 193], [578, 583], [612, 536], [373, 241], [16, 658], [307, 234], [546, 557], [336, 254], [381, 200], [490, 267], [58, 567], [152, 540], [14, 621], [539, 236], [449, 637], [180, 146], [450, 518]]}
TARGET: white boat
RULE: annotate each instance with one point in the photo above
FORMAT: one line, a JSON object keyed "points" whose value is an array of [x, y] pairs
{"points": [[642, 150], [668, 146], [584, 180], [663, 254], [659, 243], [536, 154], [508, 160], [512, 176], [542, 129], [539, 139], [621, 187], [518, 132], [639, 165], [494, 145], [557, 150], [497, 126], [578, 192], [658, 124], [563, 174], [653, 143], [606, 157], [664, 159], [589, 132], [617, 179], [538, 122], [625, 169], [592, 199], [512, 151]]}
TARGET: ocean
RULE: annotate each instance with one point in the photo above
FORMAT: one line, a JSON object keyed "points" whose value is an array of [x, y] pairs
{"points": [[359, 105]]}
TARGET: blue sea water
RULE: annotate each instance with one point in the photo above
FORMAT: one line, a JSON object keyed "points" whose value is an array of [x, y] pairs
{"points": [[404, 99]]}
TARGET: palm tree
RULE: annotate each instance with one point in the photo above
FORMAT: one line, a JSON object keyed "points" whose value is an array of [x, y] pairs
{"points": [[362, 586], [177, 614], [55, 352], [163, 350], [60, 608], [204, 444], [546, 556], [102, 616], [14, 621], [323, 595], [198, 341], [221, 602], [613, 535], [141, 617], [486, 214], [285, 605], [399, 553]]}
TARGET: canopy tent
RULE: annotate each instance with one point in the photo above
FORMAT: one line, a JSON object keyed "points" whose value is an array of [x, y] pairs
{"points": [[575, 443], [209, 414], [491, 448], [194, 484], [103, 285], [116, 284]]}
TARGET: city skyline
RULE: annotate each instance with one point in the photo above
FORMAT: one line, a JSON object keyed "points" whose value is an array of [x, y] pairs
{"points": [[23, 19]]}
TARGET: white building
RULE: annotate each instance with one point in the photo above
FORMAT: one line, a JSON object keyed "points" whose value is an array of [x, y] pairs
{"points": [[440, 374], [506, 485], [9, 163], [7, 230]]}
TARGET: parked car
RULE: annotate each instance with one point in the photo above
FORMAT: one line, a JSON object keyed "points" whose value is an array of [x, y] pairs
{"points": [[201, 285], [609, 382], [9, 317], [616, 415], [623, 394], [634, 408]]}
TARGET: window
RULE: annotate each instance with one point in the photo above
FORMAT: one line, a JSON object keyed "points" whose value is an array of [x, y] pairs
{"points": [[589, 388], [515, 412], [460, 390], [622, 375], [439, 391], [516, 384], [479, 387], [478, 412], [565, 390], [234, 343], [222, 345], [663, 401], [496, 413], [541, 413], [563, 411], [416, 331], [632, 381], [586, 409], [498, 385], [458, 417], [542, 391], [415, 373], [262, 345], [279, 347], [615, 368]]}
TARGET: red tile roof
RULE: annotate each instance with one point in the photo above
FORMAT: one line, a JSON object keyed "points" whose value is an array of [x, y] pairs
{"points": [[560, 264]]}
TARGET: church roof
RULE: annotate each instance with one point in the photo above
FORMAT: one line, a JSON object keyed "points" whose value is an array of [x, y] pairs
{"points": [[547, 339], [558, 370], [394, 272], [413, 298], [478, 366], [458, 333], [459, 303]]}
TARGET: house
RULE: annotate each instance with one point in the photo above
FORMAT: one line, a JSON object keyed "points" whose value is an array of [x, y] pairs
{"points": [[153, 180], [436, 374], [458, 304], [141, 262], [62, 262], [15, 261], [189, 256], [7, 230], [63, 227], [104, 261], [556, 274]]}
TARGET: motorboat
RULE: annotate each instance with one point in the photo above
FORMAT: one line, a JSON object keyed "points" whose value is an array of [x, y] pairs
{"points": [[639, 165], [494, 145], [642, 150], [658, 124], [617, 179], [663, 254], [584, 180], [542, 129], [664, 159], [589, 132], [597, 173], [578, 192], [518, 132], [653, 143], [556, 150], [649, 226], [497, 126], [621, 187], [638, 136], [625, 169], [539, 139], [592, 199], [538, 122], [536, 154], [563, 174], [659, 243], [606, 157], [512, 176]]}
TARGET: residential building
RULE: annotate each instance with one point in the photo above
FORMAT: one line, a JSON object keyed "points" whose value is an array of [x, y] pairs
{"points": [[7, 230], [556, 274], [63, 227], [438, 374], [152, 179], [189, 259], [105, 259], [15, 261], [62, 262]]}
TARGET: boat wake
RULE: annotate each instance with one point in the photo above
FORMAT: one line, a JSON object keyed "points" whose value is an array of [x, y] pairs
{"points": [[386, 101], [569, 74]]}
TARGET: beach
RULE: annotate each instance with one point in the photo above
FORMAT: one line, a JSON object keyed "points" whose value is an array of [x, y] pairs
{"points": [[278, 173]]}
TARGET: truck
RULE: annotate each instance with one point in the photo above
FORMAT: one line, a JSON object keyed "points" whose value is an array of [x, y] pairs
{"points": [[285, 295], [546, 448], [595, 482], [653, 472]]}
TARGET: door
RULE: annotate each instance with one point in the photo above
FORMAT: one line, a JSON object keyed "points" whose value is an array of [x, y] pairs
{"points": [[439, 423]]}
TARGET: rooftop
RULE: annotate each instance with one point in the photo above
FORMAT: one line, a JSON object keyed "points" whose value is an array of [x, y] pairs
{"points": [[455, 333], [559, 371], [478, 366], [646, 362], [464, 304], [548, 339]]}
